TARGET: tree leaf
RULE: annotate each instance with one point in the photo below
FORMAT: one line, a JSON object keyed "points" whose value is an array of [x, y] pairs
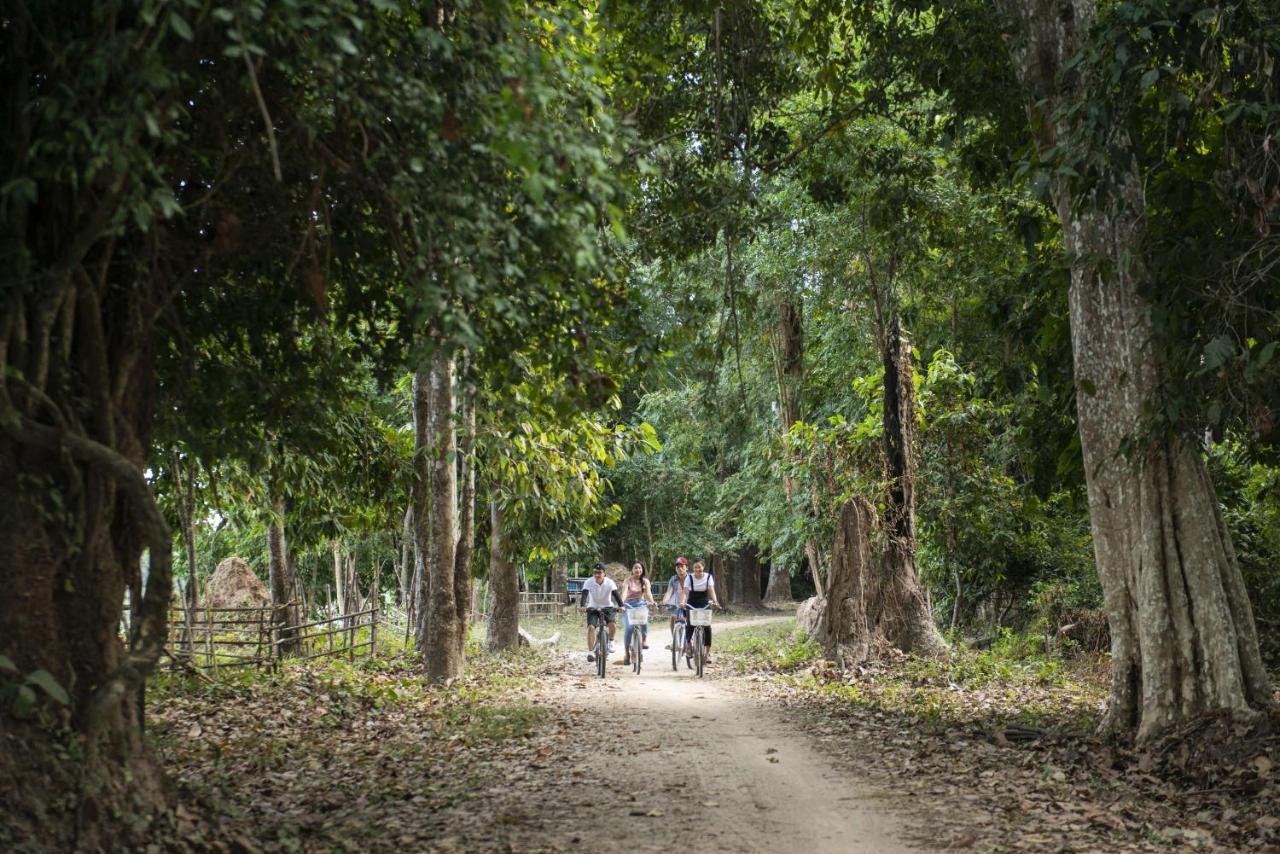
{"points": [[344, 42], [1265, 355], [181, 27], [44, 680], [1217, 352], [23, 702]]}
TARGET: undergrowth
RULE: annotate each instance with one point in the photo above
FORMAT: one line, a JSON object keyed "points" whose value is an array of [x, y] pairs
{"points": [[1011, 683]]}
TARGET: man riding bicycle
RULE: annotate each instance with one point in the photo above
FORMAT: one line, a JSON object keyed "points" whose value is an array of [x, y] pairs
{"points": [[597, 595], [674, 588]]}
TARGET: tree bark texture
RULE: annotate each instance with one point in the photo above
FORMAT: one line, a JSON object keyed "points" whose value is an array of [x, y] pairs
{"points": [[443, 651], [284, 608], [869, 606], [504, 585], [908, 607], [184, 504], [778, 592], [76, 514], [339, 578], [404, 576], [421, 508], [466, 518], [1183, 639], [788, 360], [746, 577], [560, 578]]}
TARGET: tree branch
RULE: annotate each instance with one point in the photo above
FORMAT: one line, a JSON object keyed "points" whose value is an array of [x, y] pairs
{"points": [[262, 105]]}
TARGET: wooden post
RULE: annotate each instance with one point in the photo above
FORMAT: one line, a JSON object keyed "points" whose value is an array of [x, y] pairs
{"points": [[351, 636], [208, 638]]}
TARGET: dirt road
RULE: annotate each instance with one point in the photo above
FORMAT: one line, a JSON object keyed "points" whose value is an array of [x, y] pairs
{"points": [[692, 763]]}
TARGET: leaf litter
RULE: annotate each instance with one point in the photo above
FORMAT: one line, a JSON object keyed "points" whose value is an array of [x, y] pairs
{"points": [[1012, 762], [330, 757]]}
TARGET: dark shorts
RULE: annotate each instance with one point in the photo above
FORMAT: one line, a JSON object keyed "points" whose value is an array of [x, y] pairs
{"points": [[594, 615]]}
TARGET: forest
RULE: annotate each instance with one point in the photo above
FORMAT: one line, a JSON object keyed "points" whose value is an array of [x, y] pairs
{"points": [[340, 341]]}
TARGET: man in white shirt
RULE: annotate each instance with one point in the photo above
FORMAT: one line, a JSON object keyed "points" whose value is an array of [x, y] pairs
{"points": [[600, 599]]}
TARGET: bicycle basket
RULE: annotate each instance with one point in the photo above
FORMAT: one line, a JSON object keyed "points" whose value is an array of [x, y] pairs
{"points": [[638, 616], [699, 616]]}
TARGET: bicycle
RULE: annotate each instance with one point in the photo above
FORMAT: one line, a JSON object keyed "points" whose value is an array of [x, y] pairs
{"points": [[638, 619], [698, 618], [677, 640], [601, 648]]}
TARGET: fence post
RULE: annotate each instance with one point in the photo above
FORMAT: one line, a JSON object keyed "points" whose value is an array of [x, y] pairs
{"points": [[373, 632], [208, 639]]}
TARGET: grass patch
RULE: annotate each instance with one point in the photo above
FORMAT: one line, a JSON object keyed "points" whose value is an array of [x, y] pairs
{"points": [[1011, 683], [778, 647]]}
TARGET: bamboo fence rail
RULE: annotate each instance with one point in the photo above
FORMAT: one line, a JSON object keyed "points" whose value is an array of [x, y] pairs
{"points": [[209, 639]]}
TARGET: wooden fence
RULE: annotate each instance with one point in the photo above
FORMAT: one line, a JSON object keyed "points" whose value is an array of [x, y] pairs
{"points": [[217, 638], [543, 604]]}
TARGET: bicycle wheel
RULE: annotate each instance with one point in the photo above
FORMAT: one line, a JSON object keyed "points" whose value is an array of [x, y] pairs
{"points": [[677, 642], [602, 649], [637, 649], [698, 649]]}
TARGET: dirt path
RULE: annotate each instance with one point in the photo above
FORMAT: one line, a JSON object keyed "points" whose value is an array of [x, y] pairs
{"points": [[711, 759]]}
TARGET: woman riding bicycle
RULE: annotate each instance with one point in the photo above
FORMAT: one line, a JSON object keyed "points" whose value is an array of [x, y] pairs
{"points": [[635, 592], [672, 599], [698, 590]]}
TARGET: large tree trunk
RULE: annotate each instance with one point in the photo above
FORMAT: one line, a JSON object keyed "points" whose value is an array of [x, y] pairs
{"points": [[442, 653], [467, 518], [421, 507], [868, 607], [740, 578], [913, 628], [339, 577], [284, 607], [76, 514], [778, 592], [560, 578], [404, 576], [504, 585], [184, 504], [1183, 640], [746, 577], [788, 360]]}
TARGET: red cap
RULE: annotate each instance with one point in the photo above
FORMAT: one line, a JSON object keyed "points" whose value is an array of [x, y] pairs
{"points": [[682, 561]]}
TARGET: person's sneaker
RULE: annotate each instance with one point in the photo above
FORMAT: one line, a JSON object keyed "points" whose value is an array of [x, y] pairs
{"points": [[626, 661], [644, 646], [591, 656], [610, 646]]}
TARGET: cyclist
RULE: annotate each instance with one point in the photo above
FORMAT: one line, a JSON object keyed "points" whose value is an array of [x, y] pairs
{"points": [[635, 592], [600, 591], [674, 586], [699, 587]]}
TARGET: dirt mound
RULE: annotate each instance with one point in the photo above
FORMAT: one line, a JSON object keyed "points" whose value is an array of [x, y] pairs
{"points": [[617, 571], [233, 585]]}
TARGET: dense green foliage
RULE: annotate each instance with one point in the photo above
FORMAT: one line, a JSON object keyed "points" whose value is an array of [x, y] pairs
{"points": [[603, 209]]}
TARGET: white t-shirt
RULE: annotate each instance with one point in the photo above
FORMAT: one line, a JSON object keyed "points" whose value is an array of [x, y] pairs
{"points": [[598, 594], [707, 583]]}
